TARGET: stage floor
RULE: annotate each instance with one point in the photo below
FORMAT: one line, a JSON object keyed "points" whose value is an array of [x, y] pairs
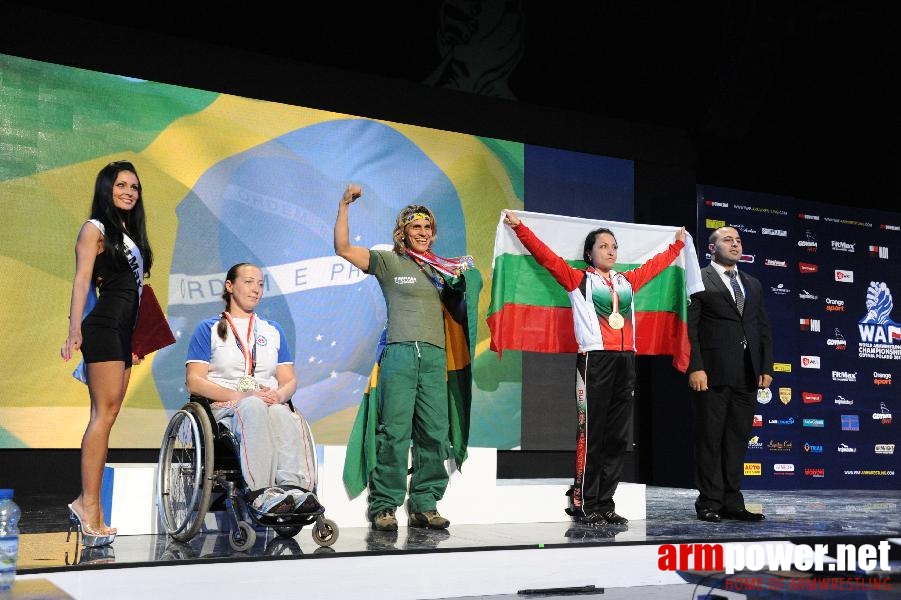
{"points": [[808, 517]]}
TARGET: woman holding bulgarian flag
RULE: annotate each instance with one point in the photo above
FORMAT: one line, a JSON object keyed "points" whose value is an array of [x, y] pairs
{"points": [[603, 312]]}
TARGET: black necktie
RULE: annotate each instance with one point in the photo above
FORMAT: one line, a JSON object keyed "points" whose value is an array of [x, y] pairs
{"points": [[736, 289]]}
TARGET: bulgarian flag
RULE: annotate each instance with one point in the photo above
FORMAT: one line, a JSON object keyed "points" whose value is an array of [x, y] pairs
{"points": [[530, 311]]}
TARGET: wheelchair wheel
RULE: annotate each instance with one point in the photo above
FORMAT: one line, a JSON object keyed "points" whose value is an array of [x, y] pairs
{"points": [[287, 532], [185, 471], [243, 537], [325, 532]]}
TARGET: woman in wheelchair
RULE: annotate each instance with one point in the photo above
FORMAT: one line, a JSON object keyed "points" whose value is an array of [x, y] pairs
{"points": [[242, 364]]}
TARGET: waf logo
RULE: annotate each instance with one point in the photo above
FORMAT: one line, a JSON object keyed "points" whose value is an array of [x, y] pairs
{"points": [[807, 268], [837, 341], [843, 276], [877, 326]]}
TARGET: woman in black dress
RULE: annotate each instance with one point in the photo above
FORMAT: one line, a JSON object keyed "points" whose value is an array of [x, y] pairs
{"points": [[112, 255]]}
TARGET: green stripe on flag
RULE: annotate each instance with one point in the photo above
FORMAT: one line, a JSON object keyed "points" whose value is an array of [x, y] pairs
{"points": [[519, 279]]}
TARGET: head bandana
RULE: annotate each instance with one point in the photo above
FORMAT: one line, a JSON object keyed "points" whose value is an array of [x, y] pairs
{"points": [[417, 215]]}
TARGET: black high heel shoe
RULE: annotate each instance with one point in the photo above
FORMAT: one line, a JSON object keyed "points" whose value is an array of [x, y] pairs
{"points": [[89, 539]]}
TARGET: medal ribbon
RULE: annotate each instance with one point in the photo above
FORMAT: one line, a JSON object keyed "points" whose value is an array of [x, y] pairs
{"points": [[452, 267], [614, 297], [250, 360]]}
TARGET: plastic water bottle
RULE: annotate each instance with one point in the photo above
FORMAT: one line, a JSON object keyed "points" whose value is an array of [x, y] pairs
{"points": [[9, 540]]}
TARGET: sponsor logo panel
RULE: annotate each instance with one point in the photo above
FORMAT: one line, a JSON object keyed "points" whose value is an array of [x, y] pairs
{"points": [[810, 362], [850, 423], [811, 397], [843, 276]]}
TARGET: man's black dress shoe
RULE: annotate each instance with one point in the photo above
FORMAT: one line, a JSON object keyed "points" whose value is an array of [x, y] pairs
{"points": [[711, 516], [741, 515]]}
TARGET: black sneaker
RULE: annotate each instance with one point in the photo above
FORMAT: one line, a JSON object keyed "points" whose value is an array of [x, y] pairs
{"points": [[384, 520], [592, 518], [596, 518], [614, 519]]}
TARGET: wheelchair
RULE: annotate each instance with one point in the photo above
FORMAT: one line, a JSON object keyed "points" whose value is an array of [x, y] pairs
{"points": [[199, 471]]}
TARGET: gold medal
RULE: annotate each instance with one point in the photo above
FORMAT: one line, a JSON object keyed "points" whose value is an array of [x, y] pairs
{"points": [[247, 384], [616, 320]]}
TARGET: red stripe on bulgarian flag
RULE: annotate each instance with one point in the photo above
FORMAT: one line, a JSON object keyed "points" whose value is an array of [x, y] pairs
{"points": [[549, 329]]}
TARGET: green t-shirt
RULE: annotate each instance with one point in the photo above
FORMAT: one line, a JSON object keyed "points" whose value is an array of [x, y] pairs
{"points": [[412, 298]]}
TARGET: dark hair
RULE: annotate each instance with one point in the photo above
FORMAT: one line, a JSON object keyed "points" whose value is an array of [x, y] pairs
{"points": [[222, 327], [589, 243], [401, 223], [104, 210], [715, 234]]}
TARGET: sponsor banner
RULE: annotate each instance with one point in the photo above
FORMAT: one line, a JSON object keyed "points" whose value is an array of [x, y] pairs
{"points": [[828, 284]]}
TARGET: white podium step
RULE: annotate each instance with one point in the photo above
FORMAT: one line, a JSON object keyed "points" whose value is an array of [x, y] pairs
{"points": [[128, 497], [475, 495]]}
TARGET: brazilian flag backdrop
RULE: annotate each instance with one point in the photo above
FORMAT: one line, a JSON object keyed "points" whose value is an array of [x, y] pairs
{"points": [[228, 179]]}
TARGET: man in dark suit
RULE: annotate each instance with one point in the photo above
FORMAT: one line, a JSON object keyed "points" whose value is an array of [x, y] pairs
{"points": [[731, 358]]}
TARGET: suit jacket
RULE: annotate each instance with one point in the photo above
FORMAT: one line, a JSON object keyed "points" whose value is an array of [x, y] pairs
{"points": [[716, 331]]}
